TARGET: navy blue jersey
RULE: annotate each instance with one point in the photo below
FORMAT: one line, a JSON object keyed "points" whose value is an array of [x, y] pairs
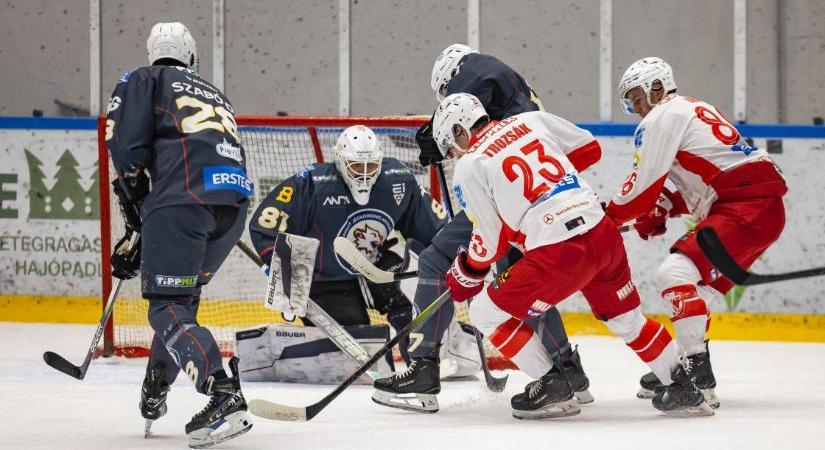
{"points": [[501, 90], [317, 203], [180, 128]]}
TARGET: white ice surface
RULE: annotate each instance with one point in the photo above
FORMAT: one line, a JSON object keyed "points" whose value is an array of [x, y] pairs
{"points": [[773, 396]]}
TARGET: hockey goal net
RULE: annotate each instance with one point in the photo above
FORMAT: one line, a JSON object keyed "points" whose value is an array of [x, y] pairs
{"points": [[276, 148]]}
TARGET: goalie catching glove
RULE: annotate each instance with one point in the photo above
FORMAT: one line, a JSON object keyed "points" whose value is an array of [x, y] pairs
{"points": [[463, 281]]}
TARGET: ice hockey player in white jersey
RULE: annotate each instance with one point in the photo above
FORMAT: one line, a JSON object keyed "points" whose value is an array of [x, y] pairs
{"points": [[720, 180], [517, 185]]}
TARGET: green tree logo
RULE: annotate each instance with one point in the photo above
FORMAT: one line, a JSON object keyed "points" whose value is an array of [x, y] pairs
{"points": [[67, 198]]}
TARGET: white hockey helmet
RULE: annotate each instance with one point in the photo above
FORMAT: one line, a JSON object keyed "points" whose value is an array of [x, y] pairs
{"points": [[458, 112], [358, 157], [172, 40], [445, 67], [643, 73]]}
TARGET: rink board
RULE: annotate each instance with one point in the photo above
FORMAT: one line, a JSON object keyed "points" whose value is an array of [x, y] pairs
{"points": [[60, 282]]}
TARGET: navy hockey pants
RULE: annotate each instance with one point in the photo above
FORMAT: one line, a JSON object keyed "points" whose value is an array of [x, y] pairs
{"points": [[433, 264], [183, 247]]}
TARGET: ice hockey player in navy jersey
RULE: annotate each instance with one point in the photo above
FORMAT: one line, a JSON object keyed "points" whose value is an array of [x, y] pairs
{"points": [[503, 93], [167, 125], [364, 197]]}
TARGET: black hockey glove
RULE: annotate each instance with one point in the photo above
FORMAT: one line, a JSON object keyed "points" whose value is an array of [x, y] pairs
{"points": [[126, 261], [385, 294], [138, 188], [430, 153]]}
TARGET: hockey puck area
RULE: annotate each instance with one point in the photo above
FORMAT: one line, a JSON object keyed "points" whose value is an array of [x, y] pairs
{"points": [[51, 410]]}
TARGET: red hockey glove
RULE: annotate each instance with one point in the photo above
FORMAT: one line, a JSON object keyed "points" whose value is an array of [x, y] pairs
{"points": [[463, 281], [652, 224], [669, 204]]}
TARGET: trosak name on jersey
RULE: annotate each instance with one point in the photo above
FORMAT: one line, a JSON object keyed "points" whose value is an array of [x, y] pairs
{"points": [[227, 177], [507, 138]]}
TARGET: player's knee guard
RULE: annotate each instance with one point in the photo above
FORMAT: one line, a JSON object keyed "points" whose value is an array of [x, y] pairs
{"points": [[677, 279], [512, 337], [649, 339]]}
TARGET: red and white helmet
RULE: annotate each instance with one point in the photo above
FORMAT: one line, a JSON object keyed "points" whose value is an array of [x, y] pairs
{"points": [[172, 40], [456, 112], [445, 67], [643, 73], [358, 156]]}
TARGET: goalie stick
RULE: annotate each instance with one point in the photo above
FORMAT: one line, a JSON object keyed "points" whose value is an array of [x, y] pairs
{"points": [[713, 249], [276, 411], [62, 364], [334, 331]]}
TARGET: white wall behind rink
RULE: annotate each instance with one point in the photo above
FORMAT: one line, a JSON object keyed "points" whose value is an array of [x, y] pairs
{"points": [[802, 244]]}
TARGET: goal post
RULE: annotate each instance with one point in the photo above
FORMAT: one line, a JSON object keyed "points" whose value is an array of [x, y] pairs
{"points": [[276, 148]]}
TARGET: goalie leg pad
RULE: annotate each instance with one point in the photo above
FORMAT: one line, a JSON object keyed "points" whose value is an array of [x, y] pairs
{"points": [[293, 354]]}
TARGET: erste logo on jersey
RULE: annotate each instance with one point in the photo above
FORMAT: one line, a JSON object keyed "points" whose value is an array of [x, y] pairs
{"points": [[228, 178], [367, 229]]}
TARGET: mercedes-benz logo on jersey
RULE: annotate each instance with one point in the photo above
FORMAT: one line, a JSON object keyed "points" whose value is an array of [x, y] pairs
{"points": [[367, 229]]}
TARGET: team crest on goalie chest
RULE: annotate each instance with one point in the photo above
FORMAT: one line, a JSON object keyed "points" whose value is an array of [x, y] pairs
{"points": [[367, 229]]}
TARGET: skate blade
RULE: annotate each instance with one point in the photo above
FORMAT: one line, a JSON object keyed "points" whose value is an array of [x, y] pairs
{"points": [[554, 410], [711, 398], [236, 424], [584, 397], [645, 393], [147, 429], [422, 403], [702, 410]]}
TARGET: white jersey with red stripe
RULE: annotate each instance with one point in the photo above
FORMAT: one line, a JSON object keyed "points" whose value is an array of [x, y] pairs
{"points": [[688, 141], [519, 183]]}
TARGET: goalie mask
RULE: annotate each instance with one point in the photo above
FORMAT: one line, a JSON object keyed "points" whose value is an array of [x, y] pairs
{"points": [[446, 66], [456, 114], [172, 40], [358, 157], [643, 73]]}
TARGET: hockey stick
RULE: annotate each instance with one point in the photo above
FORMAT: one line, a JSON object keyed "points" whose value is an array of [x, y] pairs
{"points": [[713, 249], [362, 265], [320, 318], [276, 411], [62, 364], [494, 384]]}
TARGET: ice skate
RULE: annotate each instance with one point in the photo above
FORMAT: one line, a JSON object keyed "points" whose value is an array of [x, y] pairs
{"points": [[153, 398], [549, 396], [578, 379], [701, 372], [682, 398], [650, 386], [224, 417], [414, 389]]}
